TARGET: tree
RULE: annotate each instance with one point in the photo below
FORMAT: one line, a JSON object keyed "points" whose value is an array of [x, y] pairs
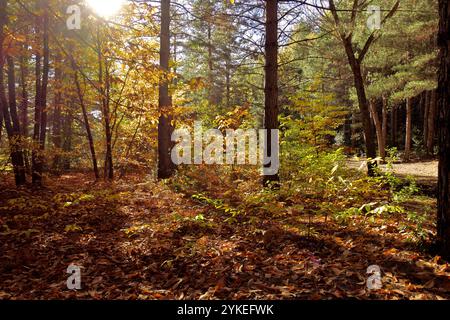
{"points": [[431, 123], [443, 212], [9, 108], [105, 91], [165, 127], [346, 32], [57, 105], [86, 123], [400, 69], [40, 113], [271, 84]]}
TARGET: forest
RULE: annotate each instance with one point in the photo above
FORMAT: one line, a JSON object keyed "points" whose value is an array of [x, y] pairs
{"points": [[224, 149]]}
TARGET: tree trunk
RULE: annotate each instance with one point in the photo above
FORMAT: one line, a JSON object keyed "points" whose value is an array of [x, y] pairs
{"points": [[56, 127], [87, 126], [431, 123], [384, 125], [23, 111], [37, 99], [378, 129], [105, 91], [394, 126], [1, 122], [67, 137], [40, 128], [364, 108], [228, 79], [355, 64], [271, 86], [408, 127], [24, 97], [16, 137], [108, 130], [426, 112], [3, 21], [212, 100], [165, 127], [443, 95], [10, 113], [348, 130]]}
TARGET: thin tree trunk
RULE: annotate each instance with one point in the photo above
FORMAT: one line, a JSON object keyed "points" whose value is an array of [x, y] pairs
{"points": [[443, 91], [271, 86], [87, 126], [228, 79], [165, 127], [3, 21], [108, 130], [56, 127], [24, 97], [210, 63], [425, 118], [45, 72], [37, 99], [67, 137], [408, 127], [384, 117], [41, 100], [16, 138], [378, 128], [10, 113], [353, 131], [394, 126], [431, 123], [130, 146], [104, 91], [23, 110]]}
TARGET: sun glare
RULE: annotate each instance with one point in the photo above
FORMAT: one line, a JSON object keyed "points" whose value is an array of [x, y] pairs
{"points": [[105, 8]]}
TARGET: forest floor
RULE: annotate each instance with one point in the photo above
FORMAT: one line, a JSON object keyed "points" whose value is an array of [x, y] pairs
{"points": [[139, 239]]}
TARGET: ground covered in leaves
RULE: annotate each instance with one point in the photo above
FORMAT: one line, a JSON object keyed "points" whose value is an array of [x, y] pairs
{"points": [[140, 239]]}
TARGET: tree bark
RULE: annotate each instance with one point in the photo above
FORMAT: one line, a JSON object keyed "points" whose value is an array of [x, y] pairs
{"points": [[212, 99], [431, 123], [271, 86], [37, 98], [104, 92], [1, 122], [394, 126], [56, 126], [40, 128], [108, 130], [10, 117], [364, 108], [23, 110], [67, 137], [408, 127], [87, 126], [24, 97], [443, 95], [165, 127], [16, 138], [228, 79], [384, 125], [378, 129], [425, 118]]}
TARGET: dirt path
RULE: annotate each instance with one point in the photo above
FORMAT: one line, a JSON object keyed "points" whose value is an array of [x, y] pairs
{"points": [[425, 172]]}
